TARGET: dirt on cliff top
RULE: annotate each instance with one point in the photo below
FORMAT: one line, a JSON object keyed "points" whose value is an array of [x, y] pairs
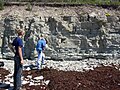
{"points": [[46, 11], [101, 78]]}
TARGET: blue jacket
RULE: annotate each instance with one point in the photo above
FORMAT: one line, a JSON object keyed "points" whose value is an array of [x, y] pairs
{"points": [[41, 45]]}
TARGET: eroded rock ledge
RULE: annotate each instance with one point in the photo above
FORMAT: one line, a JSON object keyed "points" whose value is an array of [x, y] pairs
{"points": [[73, 33]]}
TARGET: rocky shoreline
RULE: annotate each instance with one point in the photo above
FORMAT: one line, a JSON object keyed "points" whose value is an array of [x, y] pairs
{"points": [[83, 46], [31, 76], [80, 66]]}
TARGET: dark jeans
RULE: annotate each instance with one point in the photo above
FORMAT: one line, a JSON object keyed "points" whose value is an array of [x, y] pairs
{"points": [[17, 73]]}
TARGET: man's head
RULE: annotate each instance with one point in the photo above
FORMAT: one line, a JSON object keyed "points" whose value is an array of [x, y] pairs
{"points": [[20, 32], [41, 36]]}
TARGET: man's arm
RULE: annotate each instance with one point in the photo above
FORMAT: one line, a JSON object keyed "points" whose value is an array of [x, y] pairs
{"points": [[20, 54], [11, 47], [44, 44]]}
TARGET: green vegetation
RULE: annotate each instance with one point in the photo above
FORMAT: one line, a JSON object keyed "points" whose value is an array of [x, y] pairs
{"points": [[29, 6], [93, 2], [107, 14], [1, 4], [99, 2]]}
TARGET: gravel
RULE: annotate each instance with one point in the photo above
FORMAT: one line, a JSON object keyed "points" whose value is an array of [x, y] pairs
{"points": [[86, 64]]}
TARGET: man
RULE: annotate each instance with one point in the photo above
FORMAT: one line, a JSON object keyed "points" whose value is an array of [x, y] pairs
{"points": [[40, 48], [18, 59]]}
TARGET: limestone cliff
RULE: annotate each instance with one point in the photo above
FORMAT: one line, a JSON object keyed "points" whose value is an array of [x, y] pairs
{"points": [[71, 32]]}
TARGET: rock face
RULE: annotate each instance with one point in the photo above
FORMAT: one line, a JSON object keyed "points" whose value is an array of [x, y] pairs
{"points": [[71, 33]]}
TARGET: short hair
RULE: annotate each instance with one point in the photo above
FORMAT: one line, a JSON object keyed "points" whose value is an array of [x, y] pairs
{"points": [[19, 31], [41, 35]]}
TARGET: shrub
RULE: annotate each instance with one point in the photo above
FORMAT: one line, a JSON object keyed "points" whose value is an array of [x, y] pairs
{"points": [[29, 7], [1, 4], [107, 14]]}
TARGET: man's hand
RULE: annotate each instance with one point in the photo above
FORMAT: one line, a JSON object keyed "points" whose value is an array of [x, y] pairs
{"points": [[22, 62]]}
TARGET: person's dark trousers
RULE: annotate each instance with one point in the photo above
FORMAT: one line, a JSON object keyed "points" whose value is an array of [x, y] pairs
{"points": [[17, 73]]}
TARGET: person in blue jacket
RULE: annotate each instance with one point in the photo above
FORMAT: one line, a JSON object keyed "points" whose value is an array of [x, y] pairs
{"points": [[40, 48]]}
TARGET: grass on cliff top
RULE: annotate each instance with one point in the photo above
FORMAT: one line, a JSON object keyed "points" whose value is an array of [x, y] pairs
{"points": [[92, 2], [101, 2], [89, 2], [98, 2], [1, 4]]}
